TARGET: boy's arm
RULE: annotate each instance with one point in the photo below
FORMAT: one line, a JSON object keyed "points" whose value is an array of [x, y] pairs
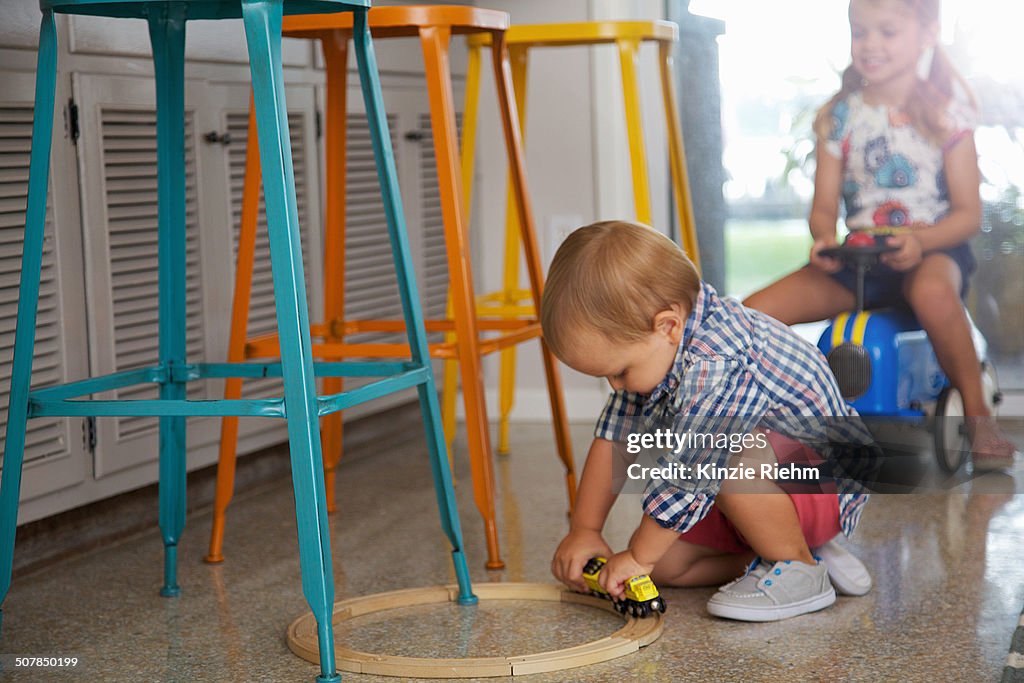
{"points": [[649, 543], [594, 499]]}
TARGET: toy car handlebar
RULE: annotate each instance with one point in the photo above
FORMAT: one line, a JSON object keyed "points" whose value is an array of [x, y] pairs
{"points": [[862, 251], [851, 252]]}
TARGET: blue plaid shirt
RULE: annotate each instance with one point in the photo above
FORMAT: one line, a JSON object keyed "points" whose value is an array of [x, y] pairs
{"points": [[737, 369]]}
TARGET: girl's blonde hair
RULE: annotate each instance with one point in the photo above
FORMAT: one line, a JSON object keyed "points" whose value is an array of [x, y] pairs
{"points": [[928, 103], [613, 278]]}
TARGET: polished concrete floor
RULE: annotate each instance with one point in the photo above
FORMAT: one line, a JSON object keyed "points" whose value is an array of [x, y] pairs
{"points": [[948, 570]]}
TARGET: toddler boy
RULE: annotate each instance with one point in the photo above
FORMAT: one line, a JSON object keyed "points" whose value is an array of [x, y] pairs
{"points": [[624, 302]]}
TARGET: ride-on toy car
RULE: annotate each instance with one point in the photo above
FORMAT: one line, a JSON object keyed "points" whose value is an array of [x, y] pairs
{"points": [[886, 368]]}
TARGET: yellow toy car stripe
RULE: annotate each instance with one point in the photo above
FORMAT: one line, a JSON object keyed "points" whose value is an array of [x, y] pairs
{"points": [[860, 324], [839, 329]]}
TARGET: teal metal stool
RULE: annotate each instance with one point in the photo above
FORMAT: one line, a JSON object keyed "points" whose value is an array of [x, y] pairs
{"points": [[300, 406]]}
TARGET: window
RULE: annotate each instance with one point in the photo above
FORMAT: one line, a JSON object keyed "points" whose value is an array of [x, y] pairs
{"points": [[780, 61]]}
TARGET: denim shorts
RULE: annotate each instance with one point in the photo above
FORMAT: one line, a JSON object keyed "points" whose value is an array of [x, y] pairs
{"points": [[883, 286]]}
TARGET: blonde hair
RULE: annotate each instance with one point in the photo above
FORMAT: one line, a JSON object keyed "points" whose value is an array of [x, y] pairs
{"points": [[614, 277], [928, 103]]}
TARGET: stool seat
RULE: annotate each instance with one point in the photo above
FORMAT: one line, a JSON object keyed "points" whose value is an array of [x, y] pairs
{"points": [[194, 9], [585, 33], [398, 22]]}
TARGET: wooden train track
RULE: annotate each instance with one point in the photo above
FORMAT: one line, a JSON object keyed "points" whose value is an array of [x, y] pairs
{"points": [[634, 634]]}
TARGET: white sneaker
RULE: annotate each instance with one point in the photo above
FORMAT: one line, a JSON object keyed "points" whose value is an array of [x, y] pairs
{"points": [[772, 592], [848, 574]]}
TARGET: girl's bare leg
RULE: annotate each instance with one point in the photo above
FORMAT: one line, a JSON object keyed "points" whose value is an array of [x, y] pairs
{"points": [[804, 296], [933, 291]]}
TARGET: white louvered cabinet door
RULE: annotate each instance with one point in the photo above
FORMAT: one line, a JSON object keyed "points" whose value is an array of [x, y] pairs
{"points": [[225, 201], [117, 166], [55, 454]]}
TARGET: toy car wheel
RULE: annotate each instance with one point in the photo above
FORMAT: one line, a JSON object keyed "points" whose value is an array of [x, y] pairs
{"points": [[620, 607], [950, 431]]}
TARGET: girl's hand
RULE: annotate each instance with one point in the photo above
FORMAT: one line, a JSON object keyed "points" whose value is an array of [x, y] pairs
{"points": [[620, 568], [823, 263], [909, 254], [573, 552]]}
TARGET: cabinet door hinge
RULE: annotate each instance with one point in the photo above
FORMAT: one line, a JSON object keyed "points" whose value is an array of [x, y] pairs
{"points": [[318, 124], [73, 129], [89, 434]]}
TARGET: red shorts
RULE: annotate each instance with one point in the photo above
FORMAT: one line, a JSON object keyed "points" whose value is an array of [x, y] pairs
{"points": [[818, 512]]}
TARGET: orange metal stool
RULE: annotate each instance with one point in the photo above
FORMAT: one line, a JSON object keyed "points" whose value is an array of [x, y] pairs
{"points": [[512, 300], [434, 25]]}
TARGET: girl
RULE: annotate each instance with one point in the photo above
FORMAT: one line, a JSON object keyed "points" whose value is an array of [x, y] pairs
{"points": [[896, 142]]}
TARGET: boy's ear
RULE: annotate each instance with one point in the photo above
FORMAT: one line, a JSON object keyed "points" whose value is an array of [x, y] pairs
{"points": [[670, 324]]}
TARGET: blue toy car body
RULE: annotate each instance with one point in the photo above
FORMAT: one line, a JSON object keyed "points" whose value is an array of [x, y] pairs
{"points": [[883, 362], [886, 368]]}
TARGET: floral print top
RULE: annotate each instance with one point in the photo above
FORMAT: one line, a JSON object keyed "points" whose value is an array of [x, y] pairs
{"points": [[892, 173]]}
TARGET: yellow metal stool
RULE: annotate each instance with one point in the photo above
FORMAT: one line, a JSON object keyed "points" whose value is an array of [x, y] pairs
{"points": [[511, 300]]}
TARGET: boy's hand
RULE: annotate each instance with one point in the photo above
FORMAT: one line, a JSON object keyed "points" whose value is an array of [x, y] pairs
{"points": [[823, 263], [620, 568], [573, 552], [909, 254]]}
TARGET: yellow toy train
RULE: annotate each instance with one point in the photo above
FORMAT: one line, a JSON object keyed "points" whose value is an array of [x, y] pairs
{"points": [[642, 597]]}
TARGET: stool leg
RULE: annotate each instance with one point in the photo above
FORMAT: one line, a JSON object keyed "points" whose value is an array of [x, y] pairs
{"points": [[510, 286], [167, 35], [470, 110], [628, 49], [236, 340], [415, 330], [28, 296], [450, 388], [335, 49], [677, 156], [262, 20], [435, 42], [517, 166], [470, 113]]}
